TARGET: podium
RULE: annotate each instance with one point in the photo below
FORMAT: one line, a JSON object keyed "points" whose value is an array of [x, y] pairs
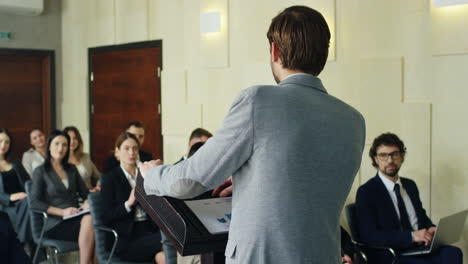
{"points": [[187, 234]]}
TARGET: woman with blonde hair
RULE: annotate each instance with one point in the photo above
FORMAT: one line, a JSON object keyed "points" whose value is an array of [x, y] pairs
{"points": [[82, 161]]}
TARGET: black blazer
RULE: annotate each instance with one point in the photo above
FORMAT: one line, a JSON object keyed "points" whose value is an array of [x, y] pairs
{"points": [[48, 190], [377, 219], [22, 175], [11, 250], [112, 162], [115, 190]]}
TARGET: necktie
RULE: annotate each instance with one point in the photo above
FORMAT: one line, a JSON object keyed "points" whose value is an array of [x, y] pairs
{"points": [[404, 218]]}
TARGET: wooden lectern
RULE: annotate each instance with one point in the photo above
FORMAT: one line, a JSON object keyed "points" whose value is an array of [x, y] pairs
{"points": [[181, 226]]}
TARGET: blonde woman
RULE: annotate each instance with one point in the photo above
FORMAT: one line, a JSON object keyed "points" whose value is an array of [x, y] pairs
{"points": [[82, 161]]}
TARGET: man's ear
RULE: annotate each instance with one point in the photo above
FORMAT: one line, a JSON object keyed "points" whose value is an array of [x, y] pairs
{"points": [[274, 53]]}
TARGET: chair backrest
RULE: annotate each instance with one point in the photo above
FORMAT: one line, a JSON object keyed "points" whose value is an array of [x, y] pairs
{"points": [[351, 217], [97, 211], [37, 220]]}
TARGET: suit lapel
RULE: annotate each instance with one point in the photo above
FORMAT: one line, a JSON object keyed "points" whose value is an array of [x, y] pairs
{"points": [[124, 182]]}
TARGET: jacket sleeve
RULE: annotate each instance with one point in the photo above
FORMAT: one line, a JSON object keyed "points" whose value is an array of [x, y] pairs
{"points": [[116, 208], [23, 174], [27, 163], [38, 189], [367, 224], [423, 220], [4, 197], [220, 157]]}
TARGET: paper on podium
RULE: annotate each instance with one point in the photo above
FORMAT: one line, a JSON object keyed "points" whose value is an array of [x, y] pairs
{"points": [[215, 213]]}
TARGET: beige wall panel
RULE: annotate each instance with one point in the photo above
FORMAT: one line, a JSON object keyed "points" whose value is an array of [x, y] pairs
{"points": [[213, 115], [450, 127], [173, 87], [166, 23], [367, 171], [450, 130], [131, 20], [253, 74], [379, 28], [180, 119], [174, 148], [214, 47], [191, 18], [101, 24], [449, 31], [74, 38], [416, 134], [341, 80], [380, 96], [211, 85]]}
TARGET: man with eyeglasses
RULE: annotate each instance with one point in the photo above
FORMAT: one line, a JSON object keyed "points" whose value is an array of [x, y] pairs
{"points": [[389, 212]]}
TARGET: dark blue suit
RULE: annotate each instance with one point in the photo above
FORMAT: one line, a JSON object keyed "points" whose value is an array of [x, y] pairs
{"points": [[378, 223]]}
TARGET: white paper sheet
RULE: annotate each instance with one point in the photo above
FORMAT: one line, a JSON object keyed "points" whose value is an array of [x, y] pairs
{"points": [[215, 213]]}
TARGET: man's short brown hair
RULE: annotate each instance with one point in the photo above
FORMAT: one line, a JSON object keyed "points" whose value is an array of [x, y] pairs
{"points": [[302, 37]]}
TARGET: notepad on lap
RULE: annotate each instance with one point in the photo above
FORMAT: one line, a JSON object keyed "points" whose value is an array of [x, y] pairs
{"points": [[77, 214]]}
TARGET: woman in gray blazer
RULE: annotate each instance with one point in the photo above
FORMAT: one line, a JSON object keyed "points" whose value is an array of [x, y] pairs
{"points": [[12, 193], [55, 190], [82, 161]]}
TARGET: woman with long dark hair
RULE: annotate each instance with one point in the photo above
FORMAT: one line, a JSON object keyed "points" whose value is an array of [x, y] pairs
{"points": [[56, 185], [12, 194]]}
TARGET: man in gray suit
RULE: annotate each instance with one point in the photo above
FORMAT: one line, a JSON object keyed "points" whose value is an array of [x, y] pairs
{"points": [[292, 149]]}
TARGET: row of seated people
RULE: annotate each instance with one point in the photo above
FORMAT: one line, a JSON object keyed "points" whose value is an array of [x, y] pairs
{"points": [[58, 180]]}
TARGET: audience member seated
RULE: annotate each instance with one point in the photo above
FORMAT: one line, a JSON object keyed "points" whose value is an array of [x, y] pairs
{"points": [[197, 135], [55, 187], [12, 194], [138, 130], [34, 157], [11, 250], [138, 236], [389, 211], [82, 161]]}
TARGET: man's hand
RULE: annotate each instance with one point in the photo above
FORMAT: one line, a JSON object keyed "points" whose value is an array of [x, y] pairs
{"points": [[346, 259], [422, 236], [432, 230], [224, 189], [145, 167]]}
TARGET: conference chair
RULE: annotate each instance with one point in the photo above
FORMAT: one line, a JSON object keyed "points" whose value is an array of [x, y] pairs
{"points": [[351, 217], [103, 232], [38, 224]]}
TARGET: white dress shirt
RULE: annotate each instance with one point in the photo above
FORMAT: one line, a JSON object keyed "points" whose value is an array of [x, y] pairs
{"points": [[140, 215], [413, 219]]}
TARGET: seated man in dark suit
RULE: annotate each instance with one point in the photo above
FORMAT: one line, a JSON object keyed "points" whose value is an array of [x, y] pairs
{"points": [[138, 130], [197, 135], [389, 211]]}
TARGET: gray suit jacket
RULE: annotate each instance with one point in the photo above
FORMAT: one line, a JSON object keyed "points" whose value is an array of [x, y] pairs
{"points": [[48, 190], [293, 151]]}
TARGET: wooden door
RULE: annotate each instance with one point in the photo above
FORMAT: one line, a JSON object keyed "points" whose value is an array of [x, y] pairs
{"points": [[125, 86], [26, 95]]}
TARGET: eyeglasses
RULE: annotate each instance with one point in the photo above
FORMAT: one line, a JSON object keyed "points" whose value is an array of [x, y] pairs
{"points": [[396, 155]]}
